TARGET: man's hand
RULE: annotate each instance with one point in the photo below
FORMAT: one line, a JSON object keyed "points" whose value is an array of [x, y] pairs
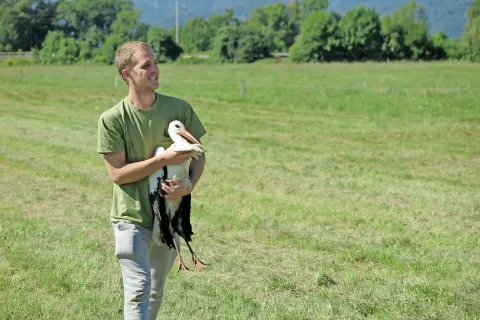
{"points": [[176, 188], [172, 157]]}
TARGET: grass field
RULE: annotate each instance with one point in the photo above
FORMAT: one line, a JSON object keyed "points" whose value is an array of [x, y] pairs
{"points": [[336, 191]]}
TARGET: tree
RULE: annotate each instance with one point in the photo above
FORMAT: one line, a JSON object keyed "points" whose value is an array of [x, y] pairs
{"points": [[471, 35], [276, 25], [393, 44], [126, 27], [471, 38], [474, 11], [405, 34], [218, 21], [294, 15], [196, 35], [58, 48], [162, 44], [89, 46], [25, 23], [76, 17], [439, 41], [240, 44], [360, 33], [309, 6], [69, 50], [319, 39], [50, 47]]}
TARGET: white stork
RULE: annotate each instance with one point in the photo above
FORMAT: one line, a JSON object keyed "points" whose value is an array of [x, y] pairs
{"points": [[173, 216]]}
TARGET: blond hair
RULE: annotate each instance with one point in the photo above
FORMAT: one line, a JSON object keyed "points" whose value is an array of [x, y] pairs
{"points": [[124, 56]]}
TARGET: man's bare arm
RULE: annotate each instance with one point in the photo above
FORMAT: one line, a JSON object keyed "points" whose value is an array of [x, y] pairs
{"points": [[196, 170], [121, 173]]}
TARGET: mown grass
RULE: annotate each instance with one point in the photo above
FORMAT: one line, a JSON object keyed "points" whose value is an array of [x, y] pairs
{"points": [[333, 191]]}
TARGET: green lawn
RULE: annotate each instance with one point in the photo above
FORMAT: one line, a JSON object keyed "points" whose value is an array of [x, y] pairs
{"points": [[332, 191]]}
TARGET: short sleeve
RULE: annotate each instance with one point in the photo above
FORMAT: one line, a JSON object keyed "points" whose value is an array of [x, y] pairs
{"points": [[110, 135], [193, 123]]}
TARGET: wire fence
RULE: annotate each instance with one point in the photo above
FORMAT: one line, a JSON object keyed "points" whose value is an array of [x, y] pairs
{"points": [[4, 55]]}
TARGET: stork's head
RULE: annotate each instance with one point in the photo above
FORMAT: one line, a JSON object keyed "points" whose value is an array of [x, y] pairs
{"points": [[177, 131]]}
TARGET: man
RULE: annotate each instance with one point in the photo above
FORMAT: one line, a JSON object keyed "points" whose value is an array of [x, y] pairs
{"points": [[128, 134]]}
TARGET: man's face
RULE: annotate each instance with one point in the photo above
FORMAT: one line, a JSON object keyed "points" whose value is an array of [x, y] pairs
{"points": [[144, 74]]}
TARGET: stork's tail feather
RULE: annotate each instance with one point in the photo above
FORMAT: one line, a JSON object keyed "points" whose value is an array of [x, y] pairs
{"points": [[160, 212], [181, 223]]}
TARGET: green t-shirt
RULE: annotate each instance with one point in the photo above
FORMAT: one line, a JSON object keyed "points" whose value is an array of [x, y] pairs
{"points": [[137, 132]]}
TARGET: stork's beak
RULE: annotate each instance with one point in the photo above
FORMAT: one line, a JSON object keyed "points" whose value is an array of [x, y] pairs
{"points": [[187, 135]]}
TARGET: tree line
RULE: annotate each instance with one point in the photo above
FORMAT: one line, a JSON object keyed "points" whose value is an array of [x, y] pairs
{"points": [[69, 31]]}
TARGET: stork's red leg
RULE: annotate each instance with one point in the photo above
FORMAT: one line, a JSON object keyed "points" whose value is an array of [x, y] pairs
{"points": [[182, 265], [195, 259]]}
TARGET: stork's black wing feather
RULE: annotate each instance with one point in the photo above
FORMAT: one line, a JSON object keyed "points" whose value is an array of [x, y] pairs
{"points": [[160, 212], [181, 222]]}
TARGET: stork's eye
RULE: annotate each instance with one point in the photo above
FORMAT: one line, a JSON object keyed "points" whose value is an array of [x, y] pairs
{"points": [[177, 126]]}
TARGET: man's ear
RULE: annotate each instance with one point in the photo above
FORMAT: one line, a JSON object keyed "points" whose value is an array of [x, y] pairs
{"points": [[125, 74]]}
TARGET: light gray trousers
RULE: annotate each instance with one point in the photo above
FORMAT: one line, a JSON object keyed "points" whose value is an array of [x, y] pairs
{"points": [[145, 266]]}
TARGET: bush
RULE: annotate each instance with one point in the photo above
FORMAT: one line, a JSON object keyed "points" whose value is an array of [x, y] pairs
{"points": [[240, 44], [16, 62], [35, 55], [193, 61], [319, 39], [100, 58], [163, 45]]}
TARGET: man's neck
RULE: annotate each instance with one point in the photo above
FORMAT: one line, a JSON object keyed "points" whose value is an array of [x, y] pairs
{"points": [[142, 100]]}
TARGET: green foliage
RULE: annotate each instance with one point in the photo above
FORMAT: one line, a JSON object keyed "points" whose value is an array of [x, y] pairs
{"points": [[474, 11], [471, 36], [69, 50], [76, 17], [445, 48], [440, 42], [193, 61], [405, 34], [218, 21], [82, 30], [126, 27], [309, 6], [240, 44], [89, 46], [196, 35], [13, 61], [51, 46], [471, 39], [319, 39], [111, 45], [275, 23], [100, 58], [57, 48], [25, 23], [454, 48], [393, 46], [294, 15], [163, 45], [360, 33]]}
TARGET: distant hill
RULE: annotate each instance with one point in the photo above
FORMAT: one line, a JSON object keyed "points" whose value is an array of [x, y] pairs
{"points": [[446, 15]]}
